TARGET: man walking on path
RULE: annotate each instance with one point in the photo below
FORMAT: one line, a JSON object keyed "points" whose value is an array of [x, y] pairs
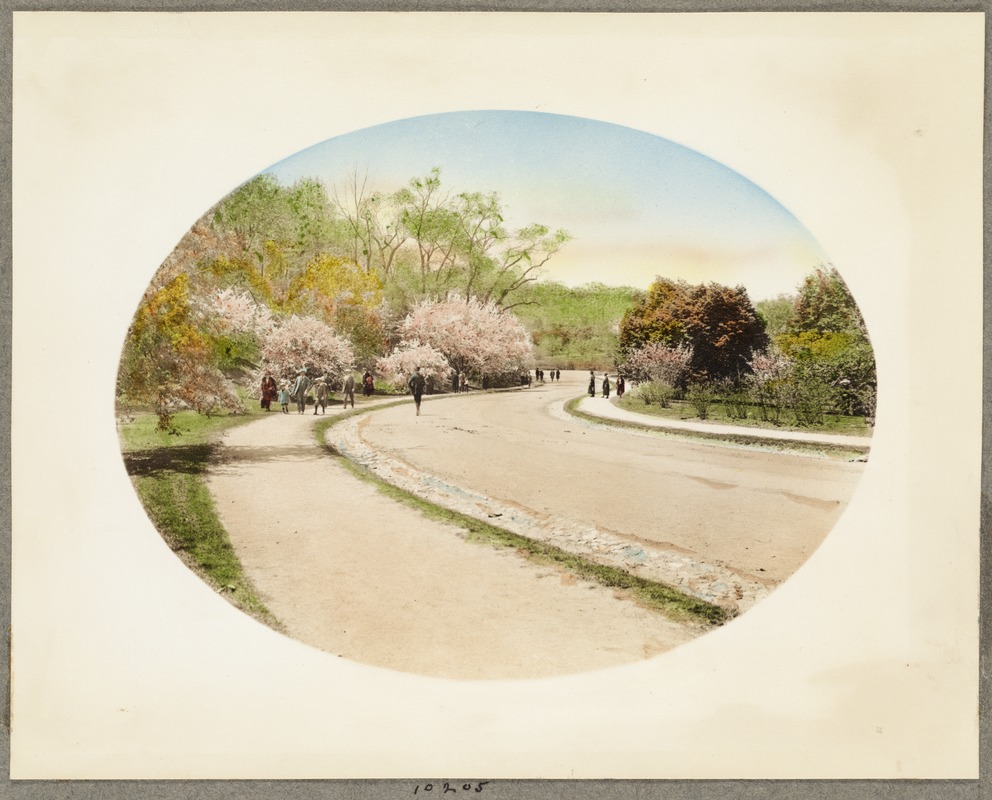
{"points": [[300, 390], [416, 384], [349, 390]]}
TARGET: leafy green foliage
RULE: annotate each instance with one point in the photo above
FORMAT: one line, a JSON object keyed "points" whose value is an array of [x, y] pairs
{"points": [[700, 396], [776, 313], [827, 339], [825, 305], [655, 392], [573, 328]]}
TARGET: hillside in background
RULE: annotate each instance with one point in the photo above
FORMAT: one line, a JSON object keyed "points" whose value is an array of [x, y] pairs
{"points": [[573, 328]]}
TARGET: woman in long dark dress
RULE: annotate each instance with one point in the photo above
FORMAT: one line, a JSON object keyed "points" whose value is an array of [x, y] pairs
{"points": [[270, 391], [592, 383]]}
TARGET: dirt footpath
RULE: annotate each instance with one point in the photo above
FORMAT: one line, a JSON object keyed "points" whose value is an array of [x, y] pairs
{"points": [[361, 576]]}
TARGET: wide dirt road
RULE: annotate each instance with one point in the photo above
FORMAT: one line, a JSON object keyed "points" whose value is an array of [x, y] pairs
{"points": [[761, 514], [356, 574]]}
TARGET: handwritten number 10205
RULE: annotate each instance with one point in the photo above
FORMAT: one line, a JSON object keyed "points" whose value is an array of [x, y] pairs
{"points": [[446, 787]]}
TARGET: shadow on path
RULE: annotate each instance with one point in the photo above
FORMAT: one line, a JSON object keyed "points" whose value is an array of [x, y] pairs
{"points": [[192, 459]]}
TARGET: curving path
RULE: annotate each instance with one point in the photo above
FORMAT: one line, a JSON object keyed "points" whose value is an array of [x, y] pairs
{"points": [[356, 574]]}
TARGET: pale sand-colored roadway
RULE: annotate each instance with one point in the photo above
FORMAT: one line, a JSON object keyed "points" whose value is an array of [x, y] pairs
{"points": [[760, 513], [361, 576]]}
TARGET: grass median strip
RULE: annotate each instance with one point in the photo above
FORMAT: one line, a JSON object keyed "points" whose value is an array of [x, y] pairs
{"points": [[167, 473], [755, 441], [657, 596]]}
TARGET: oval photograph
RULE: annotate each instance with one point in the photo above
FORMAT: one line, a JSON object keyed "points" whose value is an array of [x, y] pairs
{"points": [[496, 395]]}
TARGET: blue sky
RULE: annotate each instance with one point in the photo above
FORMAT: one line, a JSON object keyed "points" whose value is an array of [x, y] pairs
{"points": [[636, 204]]}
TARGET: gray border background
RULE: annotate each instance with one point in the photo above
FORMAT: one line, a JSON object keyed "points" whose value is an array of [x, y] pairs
{"points": [[500, 789]]}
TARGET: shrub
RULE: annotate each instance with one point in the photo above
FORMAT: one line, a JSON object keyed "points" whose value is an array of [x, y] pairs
{"points": [[769, 382], [736, 398], [808, 395], [656, 392], [700, 396]]}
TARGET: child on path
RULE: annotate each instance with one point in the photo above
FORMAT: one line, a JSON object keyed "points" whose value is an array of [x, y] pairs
{"points": [[284, 396]]}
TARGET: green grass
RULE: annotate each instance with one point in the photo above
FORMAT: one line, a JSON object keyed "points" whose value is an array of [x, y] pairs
{"points": [[167, 473], [838, 451], [141, 433], [681, 410], [656, 596]]}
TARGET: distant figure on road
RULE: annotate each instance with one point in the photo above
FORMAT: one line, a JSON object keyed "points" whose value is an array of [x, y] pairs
{"points": [[606, 386], [592, 383], [349, 390], [269, 390], [284, 396], [557, 374], [621, 386], [368, 384], [300, 390], [416, 384]]}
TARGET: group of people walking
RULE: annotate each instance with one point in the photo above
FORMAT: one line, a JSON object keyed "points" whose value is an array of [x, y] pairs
{"points": [[287, 392], [297, 391], [621, 385]]}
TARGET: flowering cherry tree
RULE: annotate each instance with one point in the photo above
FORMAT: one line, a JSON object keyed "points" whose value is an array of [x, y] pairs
{"points": [[769, 382], [473, 336], [236, 311], [407, 357], [305, 342], [770, 365], [658, 362]]}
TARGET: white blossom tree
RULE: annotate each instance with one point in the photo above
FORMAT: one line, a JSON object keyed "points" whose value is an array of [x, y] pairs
{"points": [[305, 342], [236, 311], [474, 337], [401, 363], [658, 362]]}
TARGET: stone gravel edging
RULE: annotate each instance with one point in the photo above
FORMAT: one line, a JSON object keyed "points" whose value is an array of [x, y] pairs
{"points": [[711, 582]]}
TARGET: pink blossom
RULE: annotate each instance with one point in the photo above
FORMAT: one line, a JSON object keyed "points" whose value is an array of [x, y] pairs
{"points": [[305, 342], [407, 357], [769, 366], [236, 311], [658, 362], [473, 336]]}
